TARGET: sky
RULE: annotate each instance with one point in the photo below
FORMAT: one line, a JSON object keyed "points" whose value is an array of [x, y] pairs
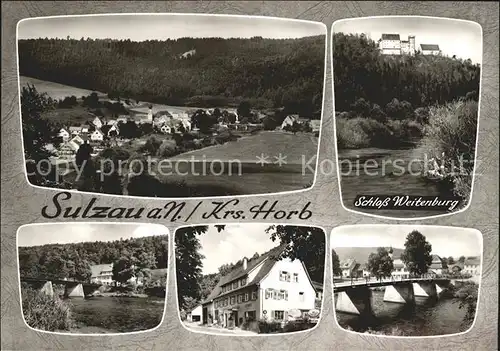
{"points": [[65, 233], [233, 243], [445, 241], [161, 27], [454, 37]]}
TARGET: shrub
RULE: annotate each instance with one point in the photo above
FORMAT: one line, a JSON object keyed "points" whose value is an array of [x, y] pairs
{"points": [[452, 132], [167, 149], [266, 327], [152, 145], [45, 312], [297, 326], [251, 325]]}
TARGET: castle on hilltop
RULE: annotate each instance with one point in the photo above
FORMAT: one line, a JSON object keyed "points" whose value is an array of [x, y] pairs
{"points": [[391, 44]]}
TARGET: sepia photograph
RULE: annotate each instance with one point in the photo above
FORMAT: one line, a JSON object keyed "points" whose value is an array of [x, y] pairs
{"points": [[406, 101], [171, 105], [249, 279], [93, 278], [403, 280]]}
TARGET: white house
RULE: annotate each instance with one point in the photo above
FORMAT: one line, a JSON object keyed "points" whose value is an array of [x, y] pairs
{"points": [[114, 128], [399, 271], [391, 44], [195, 314], [261, 288], [472, 265], [430, 49], [64, 134], [84, 129], [75, 130], [97, 135], [350, 268], [102, 274], [97, 123], [437, 266], [289, 120]]}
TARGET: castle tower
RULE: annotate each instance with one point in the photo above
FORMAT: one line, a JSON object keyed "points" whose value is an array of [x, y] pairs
{"points": [[411, 39]]}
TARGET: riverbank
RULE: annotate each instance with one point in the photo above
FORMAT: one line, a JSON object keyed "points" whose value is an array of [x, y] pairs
{"points": [[427, 317]]}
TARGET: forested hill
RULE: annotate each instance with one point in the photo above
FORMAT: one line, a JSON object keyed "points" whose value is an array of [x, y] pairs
{"points": [[267, 72], [360, 71], [58, 259]]}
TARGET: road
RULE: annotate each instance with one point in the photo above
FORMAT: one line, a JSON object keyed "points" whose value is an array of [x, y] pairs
{"points": [[205, 329]]}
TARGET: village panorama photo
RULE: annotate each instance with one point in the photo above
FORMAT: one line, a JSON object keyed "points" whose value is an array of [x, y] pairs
{"points": [[406, 95], [249, 279], [403, 280], [171, 105], [103, 278]]}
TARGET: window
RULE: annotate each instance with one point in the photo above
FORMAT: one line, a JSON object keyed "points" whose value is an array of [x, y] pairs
{"points": [[226, 302], [243, 282], [216, 304], [284, 276], [275, 295], [301, 296], [233, 300], [235, 285], [279, 315], [269, 294], [240, 298], [246, 297], [283, 295], [254, 295], [295, 277]]}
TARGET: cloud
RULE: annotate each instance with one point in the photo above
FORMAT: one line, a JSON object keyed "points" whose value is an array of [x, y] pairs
{"points": [[232, 244]]}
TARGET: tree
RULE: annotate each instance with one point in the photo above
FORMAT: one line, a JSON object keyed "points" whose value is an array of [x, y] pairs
{"points": [[244, 109], [144, 261], [304, 243], [451, 260], [123, 269], [37, 133], [336, 264], [461, 259], [417, 253], [203, 121], [188, 263], [380, 263]]}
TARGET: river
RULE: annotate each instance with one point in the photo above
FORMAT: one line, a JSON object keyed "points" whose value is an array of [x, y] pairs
{"points": [[374, 171], [429, 316], [116, 314]]}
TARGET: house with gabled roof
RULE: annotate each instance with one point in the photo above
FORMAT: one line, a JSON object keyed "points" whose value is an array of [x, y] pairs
{"points": [[430, 49], [261, 288], [472, 265]]}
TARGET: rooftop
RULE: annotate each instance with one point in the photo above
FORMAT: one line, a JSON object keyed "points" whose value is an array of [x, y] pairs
{"points": [[390, 36], [433, 47]]}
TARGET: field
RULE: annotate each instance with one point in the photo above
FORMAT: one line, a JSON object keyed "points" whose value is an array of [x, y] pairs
{"points": [[246, 176], [56, 90], [246, 149]]}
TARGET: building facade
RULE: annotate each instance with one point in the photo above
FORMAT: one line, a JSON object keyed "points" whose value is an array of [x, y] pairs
{"points": [[102, 274], [261, 289], [472, 266], [430, 49], [391, 44]]}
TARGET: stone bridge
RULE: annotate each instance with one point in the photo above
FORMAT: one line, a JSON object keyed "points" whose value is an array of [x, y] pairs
{"points": [[355, 296], [72, 288]]}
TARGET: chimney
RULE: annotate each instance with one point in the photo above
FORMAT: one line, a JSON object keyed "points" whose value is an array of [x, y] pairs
{"points": [[245, 263]]}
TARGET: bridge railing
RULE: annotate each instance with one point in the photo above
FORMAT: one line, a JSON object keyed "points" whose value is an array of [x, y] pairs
{"points": [[367, 280]]}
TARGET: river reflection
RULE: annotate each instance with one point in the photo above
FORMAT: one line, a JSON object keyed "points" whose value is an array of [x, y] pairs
{"points": [[428, 316]]}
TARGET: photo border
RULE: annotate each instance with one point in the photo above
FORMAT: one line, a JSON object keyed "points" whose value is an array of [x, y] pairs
{"points": [[166, 14], [412, 226], [256, 336], [339, 177], [168, 235]]}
